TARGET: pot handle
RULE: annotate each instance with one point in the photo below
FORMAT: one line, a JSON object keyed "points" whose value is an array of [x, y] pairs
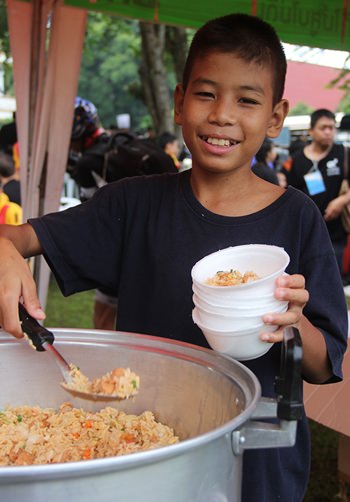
{"points": [[288, 385], [288, 406]]}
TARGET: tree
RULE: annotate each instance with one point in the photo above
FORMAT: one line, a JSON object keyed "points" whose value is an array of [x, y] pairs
{"points": [[132, 67], [301, 109], [344, 105], [162, 47], [127, 67], [342, 82], [154, 77], [109, 70], [177, 46], [6, 60]]}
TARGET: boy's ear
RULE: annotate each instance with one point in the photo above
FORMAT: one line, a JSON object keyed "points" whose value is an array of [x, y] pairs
{"points": [[280, 111], [178, 103]]}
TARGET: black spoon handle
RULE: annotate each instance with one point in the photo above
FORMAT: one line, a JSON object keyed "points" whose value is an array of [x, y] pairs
{"points": [[36, 333]]}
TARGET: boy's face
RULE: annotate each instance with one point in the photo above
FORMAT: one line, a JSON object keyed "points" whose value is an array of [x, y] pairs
{"points": [[227, 111]]}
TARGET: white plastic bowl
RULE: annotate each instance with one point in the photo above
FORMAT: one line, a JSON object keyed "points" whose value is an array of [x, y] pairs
{"points": [[268, 262], [233, 322], [221, 300], [234, 309], [243, 345]]}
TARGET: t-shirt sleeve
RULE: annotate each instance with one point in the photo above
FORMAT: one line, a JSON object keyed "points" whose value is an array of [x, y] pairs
{"points": [[326, 308], [328, 312], [82, 245]]}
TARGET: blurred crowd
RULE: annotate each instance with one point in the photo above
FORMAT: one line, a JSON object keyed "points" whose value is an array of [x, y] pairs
{"points": [[10, 193]]}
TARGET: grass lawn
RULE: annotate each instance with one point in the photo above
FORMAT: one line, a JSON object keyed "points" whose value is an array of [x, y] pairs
{"points": [[72, 312], [76, 312]]}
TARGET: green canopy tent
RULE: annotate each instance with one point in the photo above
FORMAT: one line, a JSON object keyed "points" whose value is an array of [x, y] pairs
{"points": [[312, 22]]}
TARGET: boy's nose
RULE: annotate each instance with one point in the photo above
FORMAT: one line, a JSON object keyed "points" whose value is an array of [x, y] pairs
{"points": [[222, 114]]}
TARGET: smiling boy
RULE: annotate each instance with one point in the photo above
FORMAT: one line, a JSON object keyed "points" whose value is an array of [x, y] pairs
{"points": [[144, 235]]}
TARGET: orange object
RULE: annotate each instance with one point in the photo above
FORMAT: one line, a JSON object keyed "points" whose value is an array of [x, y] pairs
{"points": [[15, 156], [86, 454], [128, 437]]}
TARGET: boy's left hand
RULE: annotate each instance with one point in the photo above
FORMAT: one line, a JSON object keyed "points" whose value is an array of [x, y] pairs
{"points": [[289, 288]]}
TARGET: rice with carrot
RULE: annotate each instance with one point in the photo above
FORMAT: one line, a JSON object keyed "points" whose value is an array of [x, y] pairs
{"points": [[33, 435], [120, 382], [232, 278]]}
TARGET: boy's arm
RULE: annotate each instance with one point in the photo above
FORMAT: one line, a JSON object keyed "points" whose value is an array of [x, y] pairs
{"points": [[316, 367], [16, 280]]}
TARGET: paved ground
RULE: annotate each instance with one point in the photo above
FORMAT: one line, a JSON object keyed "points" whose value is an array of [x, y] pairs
{"points": [[347, 293]]}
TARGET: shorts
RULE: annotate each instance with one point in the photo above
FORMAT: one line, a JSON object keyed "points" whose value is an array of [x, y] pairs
{"points": [[107, 299]]}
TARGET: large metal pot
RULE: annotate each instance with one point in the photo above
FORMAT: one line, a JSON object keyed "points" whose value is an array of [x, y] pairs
{"points": [[210, 400]]}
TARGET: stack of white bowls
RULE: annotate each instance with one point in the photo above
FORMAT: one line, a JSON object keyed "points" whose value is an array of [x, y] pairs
{"points": [[230, 317]]}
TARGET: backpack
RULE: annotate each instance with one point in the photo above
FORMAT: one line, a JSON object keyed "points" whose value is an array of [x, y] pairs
{"points": [[127, 155], [10, 212]]}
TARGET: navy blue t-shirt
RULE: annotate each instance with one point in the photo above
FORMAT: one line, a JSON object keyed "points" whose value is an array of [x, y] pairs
{"points": [[143, 236]]}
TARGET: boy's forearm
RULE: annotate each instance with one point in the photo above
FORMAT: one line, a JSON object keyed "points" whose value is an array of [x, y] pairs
{"points": [[316, 367], [23, 238]]}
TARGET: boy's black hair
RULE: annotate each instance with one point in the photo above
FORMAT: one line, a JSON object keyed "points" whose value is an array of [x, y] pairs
{"points": [[249, 38], [318, 114], [7, 167]]}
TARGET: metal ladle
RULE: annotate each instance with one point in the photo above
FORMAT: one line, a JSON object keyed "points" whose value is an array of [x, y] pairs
{"points": [[42, 339]]}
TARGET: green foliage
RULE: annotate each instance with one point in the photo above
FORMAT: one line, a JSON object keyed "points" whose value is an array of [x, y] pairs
{"points": [[344, 105], [4, 33], [342, 82], [5, 52], [109, 70], [301, 109]]}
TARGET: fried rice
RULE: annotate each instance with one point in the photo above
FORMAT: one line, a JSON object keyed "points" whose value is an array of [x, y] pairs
{"points": [[33, 435], [120, 382], [231, 278]]}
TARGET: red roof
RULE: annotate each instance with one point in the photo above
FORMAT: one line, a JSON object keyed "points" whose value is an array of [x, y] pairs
{"points": [[306, 83]]}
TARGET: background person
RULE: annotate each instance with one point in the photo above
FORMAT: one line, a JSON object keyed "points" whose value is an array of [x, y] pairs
{"points": [[318, 170], [144, 234], [170, 144], [264, 162], [9, 178], [88, 144], [8, 135]]}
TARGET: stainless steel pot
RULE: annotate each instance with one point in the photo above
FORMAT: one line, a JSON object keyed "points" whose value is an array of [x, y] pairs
{"points": [[210, 400]]}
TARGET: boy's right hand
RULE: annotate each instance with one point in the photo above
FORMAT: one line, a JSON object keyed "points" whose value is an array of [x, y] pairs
{"points": [[16, 284]]}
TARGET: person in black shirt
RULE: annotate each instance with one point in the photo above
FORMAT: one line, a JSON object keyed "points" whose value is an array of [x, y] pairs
{"points": [[318, 170]]}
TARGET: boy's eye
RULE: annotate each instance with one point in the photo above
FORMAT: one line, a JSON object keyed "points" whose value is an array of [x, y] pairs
{"points": [[248, 101], [204, 94]]}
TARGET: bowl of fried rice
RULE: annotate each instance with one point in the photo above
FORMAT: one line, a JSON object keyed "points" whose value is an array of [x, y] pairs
{"points": [[242, 272]]}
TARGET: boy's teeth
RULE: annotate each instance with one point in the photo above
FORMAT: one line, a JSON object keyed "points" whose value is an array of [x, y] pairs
{"points": [[218, 142]]}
